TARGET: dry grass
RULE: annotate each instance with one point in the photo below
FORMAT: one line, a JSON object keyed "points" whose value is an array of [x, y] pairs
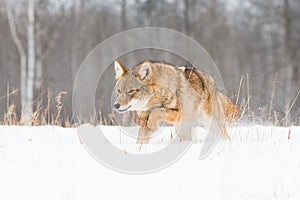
{"points": [[41, 115], [267, 116], [48, 109], [288, 109]]}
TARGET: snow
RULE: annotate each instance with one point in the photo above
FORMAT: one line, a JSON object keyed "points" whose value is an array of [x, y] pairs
{"points": [[38, 163]]}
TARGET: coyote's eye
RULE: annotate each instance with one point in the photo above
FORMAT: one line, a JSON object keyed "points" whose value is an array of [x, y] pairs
{"points": [[131, 91], [118, 91]]}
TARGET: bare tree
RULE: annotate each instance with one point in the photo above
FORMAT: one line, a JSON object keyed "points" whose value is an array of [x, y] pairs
{"points": [[38, 57], [46, 36], [149, 8], [186, 15], [21, 52], [123, 15], [30, 54], [51, 38]]}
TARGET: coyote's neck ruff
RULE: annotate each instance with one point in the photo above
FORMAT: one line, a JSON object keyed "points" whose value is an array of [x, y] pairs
{"points": [[178, 95]]}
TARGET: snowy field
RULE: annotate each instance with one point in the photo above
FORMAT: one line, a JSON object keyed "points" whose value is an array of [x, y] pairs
{"points": [[41, 163]]}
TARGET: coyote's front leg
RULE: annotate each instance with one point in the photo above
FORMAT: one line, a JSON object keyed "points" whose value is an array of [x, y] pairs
{"points": [[158, 115], [144, 131], [149, 121]]}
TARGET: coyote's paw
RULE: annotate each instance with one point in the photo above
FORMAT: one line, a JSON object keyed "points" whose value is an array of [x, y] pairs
{"points": [[142, 141], [144, 136], [184, 137]]}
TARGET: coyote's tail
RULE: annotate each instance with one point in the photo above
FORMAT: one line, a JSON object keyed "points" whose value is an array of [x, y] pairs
{"points": [[231, 110]]}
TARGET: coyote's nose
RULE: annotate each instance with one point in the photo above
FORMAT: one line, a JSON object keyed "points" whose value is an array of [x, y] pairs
{"points": [[117, 106]]}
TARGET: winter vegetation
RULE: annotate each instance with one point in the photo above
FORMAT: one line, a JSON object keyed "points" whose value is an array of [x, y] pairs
{"points": [[254, 43]]}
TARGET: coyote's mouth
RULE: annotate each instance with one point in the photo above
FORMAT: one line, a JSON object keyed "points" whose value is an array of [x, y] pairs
{"points": [[124, 110]]}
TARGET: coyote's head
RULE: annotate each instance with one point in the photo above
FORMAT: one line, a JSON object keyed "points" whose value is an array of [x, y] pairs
{"points": [[132, 93]]}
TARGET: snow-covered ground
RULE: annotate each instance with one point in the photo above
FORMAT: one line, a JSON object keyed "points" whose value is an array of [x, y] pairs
{"points": [[38, 163]]}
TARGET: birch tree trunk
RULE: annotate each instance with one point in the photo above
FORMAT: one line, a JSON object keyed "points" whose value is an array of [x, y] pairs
{"points": [[21, 52], [287, 43], [186, 16], [31, 55], [123, 15], [38, 59]]}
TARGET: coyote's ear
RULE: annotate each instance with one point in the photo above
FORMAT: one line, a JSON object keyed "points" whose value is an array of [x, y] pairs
{"points": [[145, 70], [120, 70]]}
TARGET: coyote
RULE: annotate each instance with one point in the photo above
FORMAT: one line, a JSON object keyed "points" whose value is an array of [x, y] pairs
{"points": [[182, 96]]}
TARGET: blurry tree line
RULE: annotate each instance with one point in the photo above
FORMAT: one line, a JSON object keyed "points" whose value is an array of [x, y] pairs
{"points": [[255, 44]]}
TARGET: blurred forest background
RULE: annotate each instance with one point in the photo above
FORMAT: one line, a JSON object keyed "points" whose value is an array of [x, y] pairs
{"points": [[253, 42]]}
